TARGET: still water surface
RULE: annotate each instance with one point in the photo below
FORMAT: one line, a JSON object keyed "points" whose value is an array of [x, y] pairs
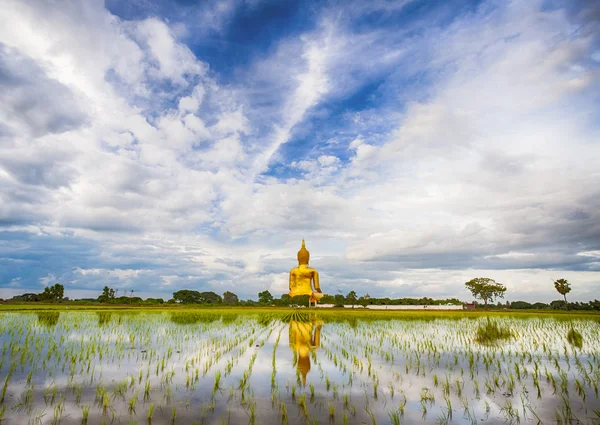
{"points": [[189, 367]]}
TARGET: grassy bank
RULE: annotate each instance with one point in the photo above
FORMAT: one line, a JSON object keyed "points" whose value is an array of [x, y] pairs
{"points": [[332, 312]]}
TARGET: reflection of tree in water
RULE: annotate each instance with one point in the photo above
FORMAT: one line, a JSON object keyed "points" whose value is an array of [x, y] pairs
{"points": [[229, 318], [304, 339], [189, 318], [48, 318], [104, 318], [575, 338], [350, 319], [491, 333], [265, 319], [120, 316]]}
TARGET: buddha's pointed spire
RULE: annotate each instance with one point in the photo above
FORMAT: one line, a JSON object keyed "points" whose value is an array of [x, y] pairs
{"points": [[303, 254]]}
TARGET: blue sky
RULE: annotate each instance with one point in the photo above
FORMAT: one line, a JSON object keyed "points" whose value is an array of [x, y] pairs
{"points": [[157, 145]]}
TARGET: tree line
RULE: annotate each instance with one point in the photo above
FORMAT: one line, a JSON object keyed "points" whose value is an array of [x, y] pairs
{"points": [[484, 289], [54, 293]]}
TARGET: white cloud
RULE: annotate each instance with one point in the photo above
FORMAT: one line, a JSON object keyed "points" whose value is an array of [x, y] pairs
{"points": [[175, 61]]}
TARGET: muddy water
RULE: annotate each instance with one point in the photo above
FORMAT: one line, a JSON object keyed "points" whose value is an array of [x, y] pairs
{"points": [[190, 367]]}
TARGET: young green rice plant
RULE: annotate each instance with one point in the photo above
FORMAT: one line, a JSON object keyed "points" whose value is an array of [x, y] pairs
{"points": [[58, 412], [424, 408], [510, 413], [284, 414], [371, 416], [427, 395], [302, 405], [402, 405], [105, 404], [85, 412], [444, 417], [252, 413], [448, 407], [470, 415], [331, 410], [217, 381], [25, 402], [147, 390], [580, 388], [5, 387], [38, 417], [133, 402], [446, 386], [395, 417]]}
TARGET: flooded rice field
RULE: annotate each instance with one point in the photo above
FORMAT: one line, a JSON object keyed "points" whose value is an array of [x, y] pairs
{"points": [[198, 367]]}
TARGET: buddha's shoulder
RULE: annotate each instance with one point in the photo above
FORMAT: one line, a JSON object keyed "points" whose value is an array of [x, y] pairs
{"points": [[309, 269]]}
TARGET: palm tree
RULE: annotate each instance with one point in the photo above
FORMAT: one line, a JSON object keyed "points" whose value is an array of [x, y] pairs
{"points": [[563, 287]]}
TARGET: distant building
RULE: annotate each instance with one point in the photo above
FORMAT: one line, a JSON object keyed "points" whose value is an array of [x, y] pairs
{"points": [[367, 296], [469, 306]]}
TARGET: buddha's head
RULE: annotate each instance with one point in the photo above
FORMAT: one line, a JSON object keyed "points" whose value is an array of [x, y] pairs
{"points": [[303, 255]]}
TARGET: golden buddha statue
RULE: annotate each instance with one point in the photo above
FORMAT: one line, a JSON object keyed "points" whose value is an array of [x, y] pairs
{"points": [[305, 336], [301, 277]]}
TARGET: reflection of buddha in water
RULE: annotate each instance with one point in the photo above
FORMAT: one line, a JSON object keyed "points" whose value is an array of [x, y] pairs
{"points": [[305, 336]]}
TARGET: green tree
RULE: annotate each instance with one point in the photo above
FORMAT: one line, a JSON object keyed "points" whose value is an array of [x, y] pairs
{"points": [[286, 300], [108, 294], [187, 296], [520, 305], [486, 289], [230, 298], [210, 298], [55, 292], [300, 300], [563, 287], [154, 301], [339, 300], [265, 297], [45, 296], [58, 292], [351, 298], [327, 299]]}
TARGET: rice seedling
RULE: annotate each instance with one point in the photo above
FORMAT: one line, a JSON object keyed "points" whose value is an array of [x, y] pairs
{"points": [[395, 418], [85, 412]]}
